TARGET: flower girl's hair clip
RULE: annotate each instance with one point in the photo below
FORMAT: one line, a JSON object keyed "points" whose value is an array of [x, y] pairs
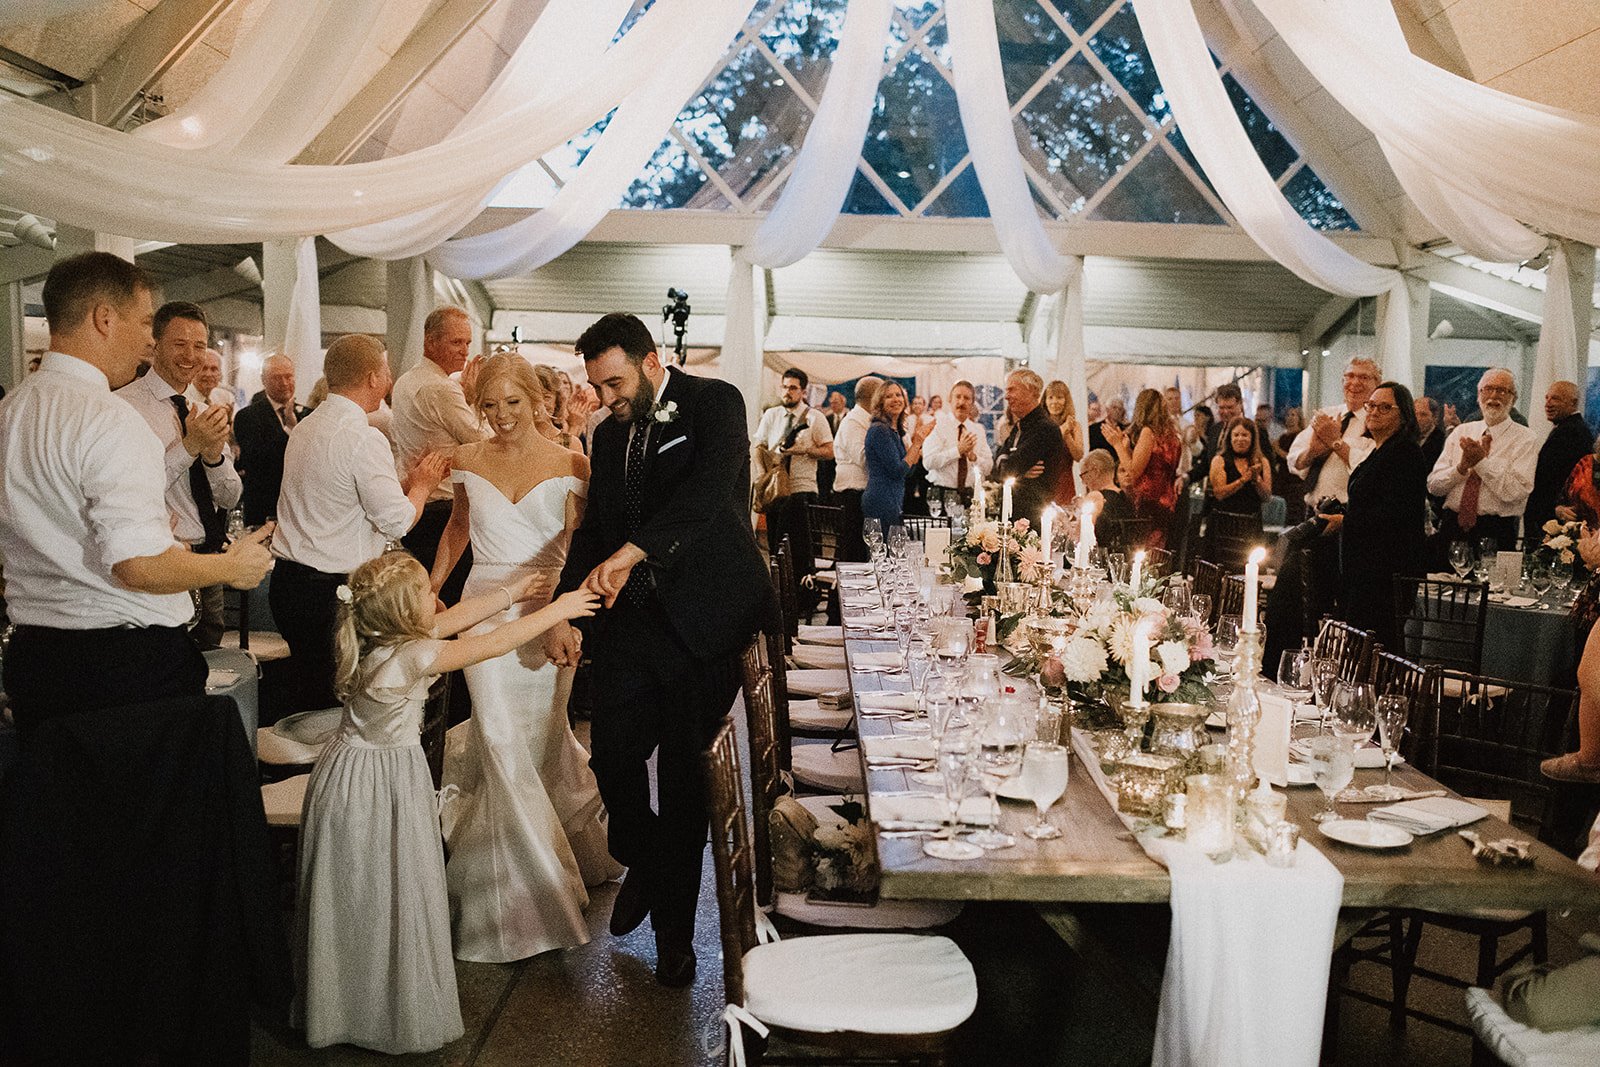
{"points": [[344, 594]]}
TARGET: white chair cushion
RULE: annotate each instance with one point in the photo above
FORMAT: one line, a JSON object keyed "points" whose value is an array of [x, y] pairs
{"points": [[808, 683], [265, 646], [296, 739], [283, 800], [277, 750], [821, 635], [884, 915], [825, 656], [864, 983], [806, 715], [1519, 1045], [816, 766]]}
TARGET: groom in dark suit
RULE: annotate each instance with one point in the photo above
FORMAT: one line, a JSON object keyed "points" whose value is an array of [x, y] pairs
{"points": [[666, 540]]}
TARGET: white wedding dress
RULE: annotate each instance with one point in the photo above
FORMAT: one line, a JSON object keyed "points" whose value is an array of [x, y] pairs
{"points": [[524, 825]]}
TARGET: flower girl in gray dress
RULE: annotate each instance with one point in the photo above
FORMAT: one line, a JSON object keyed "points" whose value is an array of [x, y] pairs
{"points": [[372, 940]]}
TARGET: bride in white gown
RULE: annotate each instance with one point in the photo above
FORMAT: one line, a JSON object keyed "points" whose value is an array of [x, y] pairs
{"points": [[526, 832]]}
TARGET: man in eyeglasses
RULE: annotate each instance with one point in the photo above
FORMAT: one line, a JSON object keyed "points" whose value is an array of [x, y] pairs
{"points": [[1485, 472]]}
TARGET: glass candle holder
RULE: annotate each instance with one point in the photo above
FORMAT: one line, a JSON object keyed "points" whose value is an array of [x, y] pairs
{"points": [[1283, 839], [1244, 713], [1264, 809], [1144, 782], [1208, 815]]}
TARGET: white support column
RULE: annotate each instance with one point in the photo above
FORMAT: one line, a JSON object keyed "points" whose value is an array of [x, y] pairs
{"points": [[71, 240], [745, 335], [410, 299], [1419, 296], [291, 306], [1568, 319], [1396, 332], [11, 343]]}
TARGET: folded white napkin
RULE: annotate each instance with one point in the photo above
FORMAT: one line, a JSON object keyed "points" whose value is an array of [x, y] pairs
{"points": [[1429, 816], [817, 656], [927, 809], [864, 619], [897, 748], [809, 683], [1520, 601], [821, 635], [886, 700], [876, 659]]}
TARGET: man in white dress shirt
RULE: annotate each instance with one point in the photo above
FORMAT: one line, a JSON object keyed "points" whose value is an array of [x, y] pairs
{"points": [[800, 434], [1324, 454], [957, 452], [1485, 472], [432, 413], [850, 468], [201, 482], [340, 504], [96, 584]]}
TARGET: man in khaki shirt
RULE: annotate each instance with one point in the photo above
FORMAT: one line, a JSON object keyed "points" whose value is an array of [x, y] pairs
{"points": [[434, 413]]}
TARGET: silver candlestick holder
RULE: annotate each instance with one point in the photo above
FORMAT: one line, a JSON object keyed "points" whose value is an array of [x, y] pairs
{"points": [[1244, 713]]}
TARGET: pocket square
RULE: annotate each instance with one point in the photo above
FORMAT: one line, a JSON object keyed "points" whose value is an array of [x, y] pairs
{"points": [[672, 443]]}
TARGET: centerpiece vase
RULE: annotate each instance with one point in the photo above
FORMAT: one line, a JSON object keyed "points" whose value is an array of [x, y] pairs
{"points": [[1244, 713]]}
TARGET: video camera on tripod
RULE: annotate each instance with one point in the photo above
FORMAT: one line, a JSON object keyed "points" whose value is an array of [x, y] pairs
{"points": [[678, 311]]}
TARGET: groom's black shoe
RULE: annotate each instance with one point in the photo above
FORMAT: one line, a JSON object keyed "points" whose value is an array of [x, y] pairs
{"points": [[675, 962], [632, 905]]}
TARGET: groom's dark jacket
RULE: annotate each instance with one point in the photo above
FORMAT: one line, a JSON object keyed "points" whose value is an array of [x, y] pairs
{"points": [[707, 572]]}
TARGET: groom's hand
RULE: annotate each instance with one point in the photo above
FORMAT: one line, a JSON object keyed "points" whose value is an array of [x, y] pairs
{"points": [[562, 644], [612, 574]]}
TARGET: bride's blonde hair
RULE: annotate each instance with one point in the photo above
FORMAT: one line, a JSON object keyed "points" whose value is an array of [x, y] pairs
{"points": [[517, 372], [380, 606]]}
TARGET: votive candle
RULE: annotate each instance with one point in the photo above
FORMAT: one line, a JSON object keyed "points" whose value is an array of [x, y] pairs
{"points": [[1138, 566], [1139, 674], [1085, 534]]}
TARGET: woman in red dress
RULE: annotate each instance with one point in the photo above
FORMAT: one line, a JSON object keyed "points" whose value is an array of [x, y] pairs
{"points": [[1148, 467], [1064, 413]]}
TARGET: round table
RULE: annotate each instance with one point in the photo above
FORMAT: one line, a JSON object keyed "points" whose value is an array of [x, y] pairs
{"points": [[1530, 644]]}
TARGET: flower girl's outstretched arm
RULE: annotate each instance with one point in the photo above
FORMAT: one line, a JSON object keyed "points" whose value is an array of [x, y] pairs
{"points": [[470, 612], [465, 651]]}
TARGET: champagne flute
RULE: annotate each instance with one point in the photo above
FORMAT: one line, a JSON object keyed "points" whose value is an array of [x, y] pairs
{"points": [[1460, 558], [1043, 780], [1324, 675], [955, 765], [1392, 710], [1333, 764]]}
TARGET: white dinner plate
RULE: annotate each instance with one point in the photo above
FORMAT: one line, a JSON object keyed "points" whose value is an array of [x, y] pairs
{"points": [[1011, 789], [1301, 774], [1364, 833]]}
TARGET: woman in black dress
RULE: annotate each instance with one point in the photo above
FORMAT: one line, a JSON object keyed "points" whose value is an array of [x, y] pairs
{"points": [[1383, 532]]}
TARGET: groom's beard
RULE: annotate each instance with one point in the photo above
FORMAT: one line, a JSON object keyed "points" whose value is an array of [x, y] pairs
{"points": [[639, 404]]}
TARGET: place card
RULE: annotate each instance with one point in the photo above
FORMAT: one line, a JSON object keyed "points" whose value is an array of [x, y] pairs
{"points": [[1272, 739]]}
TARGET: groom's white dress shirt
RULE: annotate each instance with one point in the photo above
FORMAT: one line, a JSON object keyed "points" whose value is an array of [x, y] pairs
{"points": [[81, 490], [341, 501]]}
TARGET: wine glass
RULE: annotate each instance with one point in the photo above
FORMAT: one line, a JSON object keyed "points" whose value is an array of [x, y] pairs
{"points": [[1227, 640], [1354, 712], [1000, 739], [872, 530], [1541, 577], [1483, 562], [936, 503], [1333, 764], [1294, 672], [1043, 780], [1561, 580], [1324, 675], [955, 765], [1460, 558], [1176, 598], [1200, 608], [1391, 712]]}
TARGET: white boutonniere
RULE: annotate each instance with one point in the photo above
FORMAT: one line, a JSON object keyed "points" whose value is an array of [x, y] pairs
{"points": [[664, 413]]}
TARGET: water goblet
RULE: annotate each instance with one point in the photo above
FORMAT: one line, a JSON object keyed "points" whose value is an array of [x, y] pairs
{"points": [[1391, 713], [1000, 739], [1043, 780], [872, 530], [936, 504], [1483, 564], [1324, 676], [1294, 672], [1333, 764], [1200, 608], [1354, 712], [955, 765], [1460, 558], [1226, 641], [1542, 578]]}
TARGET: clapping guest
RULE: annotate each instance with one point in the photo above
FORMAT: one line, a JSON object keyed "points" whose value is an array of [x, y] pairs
{"points": [[1485, 472], [1032, 451], [207, 388], [1115, 416], [262, 429], [1148, 465], [1383, 534], [341, 502], [957, 452], [1059, 406], [1240, 478], [850, 468], [201, 482], [1569, 443], [893, 447], [1111, 505]]}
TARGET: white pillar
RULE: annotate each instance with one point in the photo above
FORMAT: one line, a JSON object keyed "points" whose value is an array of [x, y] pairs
{"points": [[410, 299], [1419, 298], [291, 306], [1395, 333], [11, 342], [1564, 332], [745, 333], [71, 240]]}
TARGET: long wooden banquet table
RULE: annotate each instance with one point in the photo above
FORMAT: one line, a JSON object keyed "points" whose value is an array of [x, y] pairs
{"points": [[1097, 860]]}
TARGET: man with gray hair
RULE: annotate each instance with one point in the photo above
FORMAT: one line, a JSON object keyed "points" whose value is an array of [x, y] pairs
{"points": [[1033, 453], [1569, 441], [1485, 472], [850, 468], [262, 430]]}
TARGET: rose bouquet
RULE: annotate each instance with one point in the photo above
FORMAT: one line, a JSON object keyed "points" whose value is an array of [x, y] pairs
{"points": [[1561, 539], [975, 558], [1094, 658]]}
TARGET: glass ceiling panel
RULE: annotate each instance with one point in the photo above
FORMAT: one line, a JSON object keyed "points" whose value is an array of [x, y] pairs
{"points": [[918, 12], [747, 123], [1275, 151], [672, 179], [1316, 203], [804, 36], [1155, 191], [937, 41], [961, 199], [1080, 14], [1120, 46], [1078, 133], [1030, 41], [915, 136], [864, 198]]}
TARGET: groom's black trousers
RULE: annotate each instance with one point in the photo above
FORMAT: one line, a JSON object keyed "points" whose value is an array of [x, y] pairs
{"points": [[654, 695]]}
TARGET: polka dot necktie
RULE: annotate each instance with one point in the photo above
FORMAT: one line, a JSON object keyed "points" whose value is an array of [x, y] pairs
{"points": [[638, 587]]}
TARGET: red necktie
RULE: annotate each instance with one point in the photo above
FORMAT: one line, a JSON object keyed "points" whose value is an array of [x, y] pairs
{"points": [[1467, 513]]}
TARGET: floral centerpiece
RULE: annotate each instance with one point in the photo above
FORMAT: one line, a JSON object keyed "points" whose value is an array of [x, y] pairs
{"points": [[1092, 661], [1561, 540], [975, 557]]}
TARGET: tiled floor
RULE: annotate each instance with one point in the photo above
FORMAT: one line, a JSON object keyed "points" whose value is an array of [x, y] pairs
{"points": [[1039, 1003]]}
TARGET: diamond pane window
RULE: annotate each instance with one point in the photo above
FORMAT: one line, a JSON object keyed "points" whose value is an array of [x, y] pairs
{"points": [[1277, 153], [1078, 133], [938, 42], [1030, 43], [804, 36], [864, 198], [915, 136], [747, 123], [1155, 191], [1316, 203], [672, 179], [1080, 14], [1120, 46], [961, 199], [566, 159]]}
